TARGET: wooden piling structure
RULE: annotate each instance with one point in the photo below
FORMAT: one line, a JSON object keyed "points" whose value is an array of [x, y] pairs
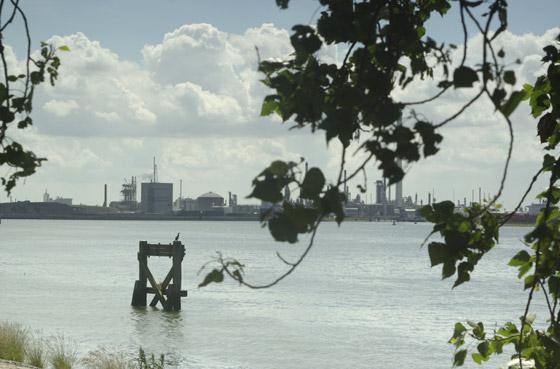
{"points": [[169, 292]]}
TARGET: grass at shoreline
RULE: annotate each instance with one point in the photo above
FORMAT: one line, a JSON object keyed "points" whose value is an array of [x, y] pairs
{"points": [[13, 340], [18, 345]]}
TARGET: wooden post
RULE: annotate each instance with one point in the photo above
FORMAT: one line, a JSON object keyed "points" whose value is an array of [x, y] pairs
{"points": [[139, 294], [173, 292]]}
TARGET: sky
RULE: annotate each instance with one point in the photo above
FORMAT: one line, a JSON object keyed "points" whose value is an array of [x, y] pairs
{"points": [[177, 80]]}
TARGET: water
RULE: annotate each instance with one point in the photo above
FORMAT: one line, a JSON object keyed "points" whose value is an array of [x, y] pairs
{"points": [[365, 297]]}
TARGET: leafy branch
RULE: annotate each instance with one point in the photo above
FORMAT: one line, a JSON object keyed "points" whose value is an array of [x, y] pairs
{"points": [[16, 104], [388, 48]]}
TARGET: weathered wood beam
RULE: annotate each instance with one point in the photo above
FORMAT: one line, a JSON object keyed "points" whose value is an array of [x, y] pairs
{"points": [[163, 287], [154, 285]]}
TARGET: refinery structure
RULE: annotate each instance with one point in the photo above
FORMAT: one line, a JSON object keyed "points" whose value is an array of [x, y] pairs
{"points": [[154, 200]]}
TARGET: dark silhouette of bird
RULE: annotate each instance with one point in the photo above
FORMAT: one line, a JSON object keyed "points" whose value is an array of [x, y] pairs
{"points": [[177, 237]]}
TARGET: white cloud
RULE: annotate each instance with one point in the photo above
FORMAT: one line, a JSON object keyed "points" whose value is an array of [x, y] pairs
{"points": [[194, 99], [61, 108]]}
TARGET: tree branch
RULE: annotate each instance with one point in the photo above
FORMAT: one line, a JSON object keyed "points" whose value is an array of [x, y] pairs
{"points": [[293, 266]]}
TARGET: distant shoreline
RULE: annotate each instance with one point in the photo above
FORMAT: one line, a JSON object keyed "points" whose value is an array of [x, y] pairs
{"points": [[216, 218]]}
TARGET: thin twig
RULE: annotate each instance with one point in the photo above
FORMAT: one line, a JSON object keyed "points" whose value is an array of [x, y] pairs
{"points": [[465, 32], [12, 16], [552, 319], [430, 99], [506, 165], [284, 260], [28, 37], [460, 111], [363, 165], [512, 213], [285, 274]]}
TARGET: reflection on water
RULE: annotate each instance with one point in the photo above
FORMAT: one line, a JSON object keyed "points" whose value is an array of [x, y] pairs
{"points": [[351, 304]]}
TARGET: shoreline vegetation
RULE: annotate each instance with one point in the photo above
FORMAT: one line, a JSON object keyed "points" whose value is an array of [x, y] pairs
{"points": [[21, 349]]}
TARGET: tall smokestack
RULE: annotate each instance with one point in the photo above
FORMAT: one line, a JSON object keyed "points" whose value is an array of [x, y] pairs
{"points": [[181, 189], [155, 171], [480, 195], [105, 197], [416, 199], [429, 198]]}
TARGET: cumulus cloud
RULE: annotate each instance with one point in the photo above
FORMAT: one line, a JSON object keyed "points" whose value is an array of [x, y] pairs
{"points": [[61, 108], [193, 100]]}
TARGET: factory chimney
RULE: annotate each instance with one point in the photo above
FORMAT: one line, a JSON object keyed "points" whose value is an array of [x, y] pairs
{"points": [[429, 198], [155, 179], [181, 189], [480, 195], [105, 197]]}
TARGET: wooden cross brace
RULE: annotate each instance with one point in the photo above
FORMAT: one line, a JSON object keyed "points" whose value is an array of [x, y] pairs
{"points": [[168, 294]]}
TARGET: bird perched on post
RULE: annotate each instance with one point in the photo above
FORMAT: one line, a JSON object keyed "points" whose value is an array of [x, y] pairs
{"points": [[177, 237]]}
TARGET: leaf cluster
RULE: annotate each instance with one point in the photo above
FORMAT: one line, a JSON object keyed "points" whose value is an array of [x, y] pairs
{"points": [[465, 238], [16, 104], [538, 265]]}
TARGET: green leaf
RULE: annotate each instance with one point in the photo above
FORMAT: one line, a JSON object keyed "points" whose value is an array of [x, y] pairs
{"points": [[279, 168], [304, 40], [444, 209], [512, 103], [546, 127], [477, 358], [332, 203], [483, 348], [438, 253], [294, 219], [215, 276], [282, 229], [283, 4], [464, 77], [427, 213], [313, 184], [237, 275], [463, 273], [554, 286], [458, 330], [36, 77], [521, 258], [529, 281], [459, 358], [448, 269], [64, 48], [270, 105], [509, 77], [267, 190]]}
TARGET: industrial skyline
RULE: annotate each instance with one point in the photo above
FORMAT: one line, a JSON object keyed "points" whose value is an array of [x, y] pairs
{"points": [[162, 197]]}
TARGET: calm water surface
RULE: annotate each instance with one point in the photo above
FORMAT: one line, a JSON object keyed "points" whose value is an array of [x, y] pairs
{"points": [[365, 297]]}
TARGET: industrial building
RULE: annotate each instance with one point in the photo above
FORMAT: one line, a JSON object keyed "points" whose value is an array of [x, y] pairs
{"points": [[128, 192], [59, 200], [209, 201], [156, 198]]}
